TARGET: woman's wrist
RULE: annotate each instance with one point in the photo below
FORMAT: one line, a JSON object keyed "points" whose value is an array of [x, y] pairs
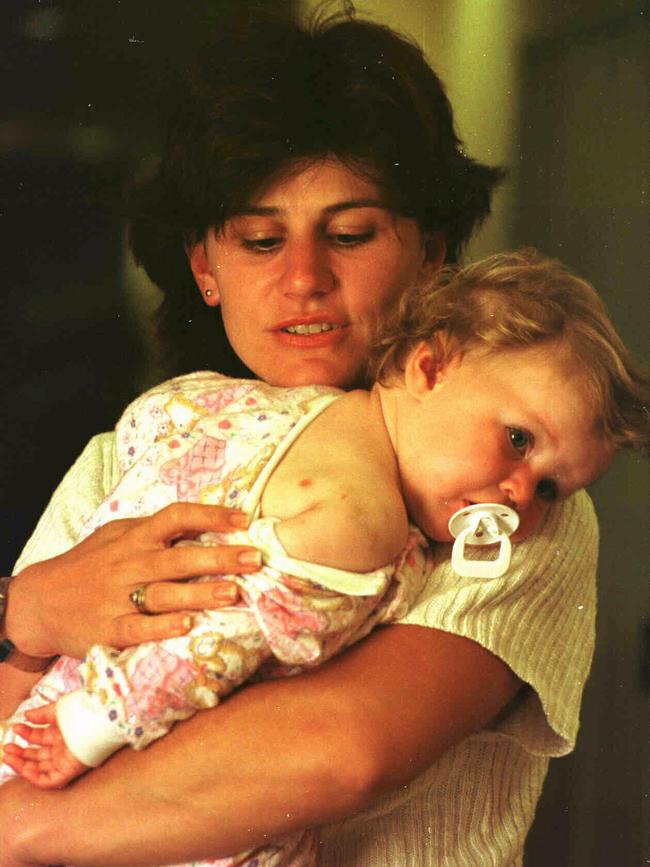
{"points": [[9, 652]]}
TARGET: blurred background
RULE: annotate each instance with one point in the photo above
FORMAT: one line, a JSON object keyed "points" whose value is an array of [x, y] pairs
{"points": [[557, 93]]}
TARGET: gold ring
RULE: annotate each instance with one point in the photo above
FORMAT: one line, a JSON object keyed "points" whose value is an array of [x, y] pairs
{"points": [[137, 597]]}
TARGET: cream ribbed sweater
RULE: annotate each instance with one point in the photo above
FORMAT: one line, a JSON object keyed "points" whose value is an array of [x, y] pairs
{"points": [[474, 806]]}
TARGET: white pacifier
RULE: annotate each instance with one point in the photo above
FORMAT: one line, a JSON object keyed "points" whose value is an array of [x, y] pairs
{"points": [[482, 524]]}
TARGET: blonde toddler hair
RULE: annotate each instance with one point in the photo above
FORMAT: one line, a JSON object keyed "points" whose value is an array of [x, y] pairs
{"points": [[515, 300]]}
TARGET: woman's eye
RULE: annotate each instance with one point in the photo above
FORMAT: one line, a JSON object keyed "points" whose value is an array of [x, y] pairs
{"points": [[261, 245], [351, 239], [520, 439]]}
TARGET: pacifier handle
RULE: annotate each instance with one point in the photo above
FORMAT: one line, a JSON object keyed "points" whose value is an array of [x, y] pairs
{"points": [[482, 524]]}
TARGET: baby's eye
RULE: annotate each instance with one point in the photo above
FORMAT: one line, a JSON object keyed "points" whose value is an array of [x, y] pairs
{"points": [[351, 239], [261, 245], [547, 491], [520, 440]]}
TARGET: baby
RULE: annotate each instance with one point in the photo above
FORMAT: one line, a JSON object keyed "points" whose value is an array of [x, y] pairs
{"points": [[503, 382]]}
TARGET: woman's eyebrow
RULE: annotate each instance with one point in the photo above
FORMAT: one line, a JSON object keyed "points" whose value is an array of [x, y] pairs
{"points": [[255, 211], [355, 203], [335, 208]]}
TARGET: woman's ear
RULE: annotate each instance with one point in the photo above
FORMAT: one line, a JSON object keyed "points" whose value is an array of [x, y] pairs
{"points": [[205, 280], [435, 250]]}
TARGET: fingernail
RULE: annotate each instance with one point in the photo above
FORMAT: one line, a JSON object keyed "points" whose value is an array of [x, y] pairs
{"points": [[249, 558], [239, 520], [187, 622], [226, 593]]}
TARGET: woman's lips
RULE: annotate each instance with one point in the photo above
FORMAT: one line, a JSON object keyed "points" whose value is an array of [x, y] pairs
{"points": [[311, 328], [309, 331], [313, 340]]}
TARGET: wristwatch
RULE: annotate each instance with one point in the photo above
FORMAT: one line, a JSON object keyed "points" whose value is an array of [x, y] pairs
{"points": [[9, 653]]}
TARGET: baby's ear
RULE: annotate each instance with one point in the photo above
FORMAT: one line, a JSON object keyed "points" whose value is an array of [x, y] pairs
{"points": [[426, 367], [420, 373], [198, 258]]}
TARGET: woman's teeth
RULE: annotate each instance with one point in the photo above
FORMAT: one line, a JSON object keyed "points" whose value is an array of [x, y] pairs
{"points": [[314, 328]]}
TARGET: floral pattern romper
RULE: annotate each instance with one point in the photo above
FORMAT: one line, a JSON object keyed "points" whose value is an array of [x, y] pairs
{"points": [[210, 439]]}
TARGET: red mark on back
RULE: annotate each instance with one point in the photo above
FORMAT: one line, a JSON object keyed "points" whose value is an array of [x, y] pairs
{"points": [[305, 483]]}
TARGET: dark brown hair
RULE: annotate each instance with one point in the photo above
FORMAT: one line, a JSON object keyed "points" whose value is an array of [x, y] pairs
{"points": [[269, 94]]}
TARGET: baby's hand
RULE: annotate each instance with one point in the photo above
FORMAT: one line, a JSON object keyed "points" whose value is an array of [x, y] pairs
{"points": [[49, 764]]}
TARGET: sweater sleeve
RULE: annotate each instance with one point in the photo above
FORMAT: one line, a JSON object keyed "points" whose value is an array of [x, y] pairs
{"points": [[83, 488], [539, 619]]}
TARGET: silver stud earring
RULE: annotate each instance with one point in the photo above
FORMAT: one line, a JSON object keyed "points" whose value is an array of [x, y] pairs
{"points": [[208, 293]]}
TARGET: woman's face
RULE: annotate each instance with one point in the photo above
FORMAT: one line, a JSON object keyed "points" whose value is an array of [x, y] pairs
{"points": [[303, 273]]}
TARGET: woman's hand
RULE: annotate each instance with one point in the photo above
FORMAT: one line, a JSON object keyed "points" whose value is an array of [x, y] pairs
{"points": [[80, 598]]}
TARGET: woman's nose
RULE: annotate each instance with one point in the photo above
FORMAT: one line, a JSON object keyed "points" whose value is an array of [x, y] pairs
{"points": [[307, 270]]}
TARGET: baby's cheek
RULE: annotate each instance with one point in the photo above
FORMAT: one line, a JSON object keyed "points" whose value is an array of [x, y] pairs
{"points": [[529, 520]]}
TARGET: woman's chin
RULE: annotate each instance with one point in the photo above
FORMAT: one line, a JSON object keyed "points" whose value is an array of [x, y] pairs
{"points": [[312, 372]]}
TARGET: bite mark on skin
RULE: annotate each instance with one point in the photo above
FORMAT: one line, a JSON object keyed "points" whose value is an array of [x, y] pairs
{"points": [[305, 483]]}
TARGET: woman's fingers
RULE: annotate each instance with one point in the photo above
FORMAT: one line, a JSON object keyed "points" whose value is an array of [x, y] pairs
{"points": [[172, 522], [186, 520], [162, 597], [133, 629], [55, 607], [193, 561], [170, 597]]}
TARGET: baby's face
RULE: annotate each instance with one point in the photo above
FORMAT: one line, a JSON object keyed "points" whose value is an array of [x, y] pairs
{"points": [[514, 427]]}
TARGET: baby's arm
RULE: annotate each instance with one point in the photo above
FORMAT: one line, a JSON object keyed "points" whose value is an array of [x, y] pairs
{"points": [[47, 763], [135, 696], [352, 526]]}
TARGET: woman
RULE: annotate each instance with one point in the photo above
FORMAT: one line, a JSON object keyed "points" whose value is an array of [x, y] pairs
{"points": [[307, 180]]}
